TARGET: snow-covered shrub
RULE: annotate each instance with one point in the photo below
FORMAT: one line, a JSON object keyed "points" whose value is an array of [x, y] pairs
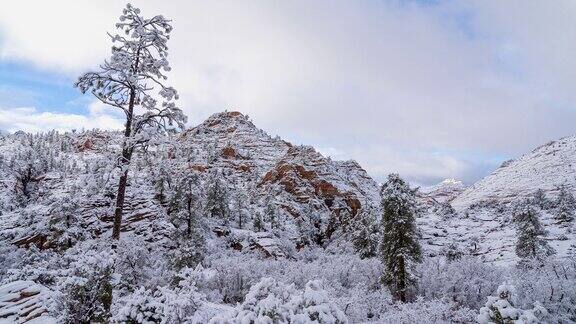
{"points": [[452, 251], [361, 303], [467, 281], [354, 283], [500, 309], [271, 301], [162, 305], [43, 267], [137, 266], [553, 286], [432, 311], [86, 293]]}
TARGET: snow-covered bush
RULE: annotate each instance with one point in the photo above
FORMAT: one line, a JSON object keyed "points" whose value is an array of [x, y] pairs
{"points": [[161, 305], [134, 263], [552, 285], [86, 293], [432, 311], [501, 310], [271, 301], [467, 281]]}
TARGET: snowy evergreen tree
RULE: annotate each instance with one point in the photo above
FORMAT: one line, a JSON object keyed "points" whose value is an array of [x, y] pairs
{"points": [[399, 248], [452, 251], [258, 222], [271, 212], [531, 242], [86, 294], [185, 202], [184, 206], [565, 205], [66, 224], [217, 203], [240, 206], [540, 200], [136, 67], [365, 233]]}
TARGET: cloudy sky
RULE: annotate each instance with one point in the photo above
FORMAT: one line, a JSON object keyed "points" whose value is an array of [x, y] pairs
{"points": [[429, 89]]}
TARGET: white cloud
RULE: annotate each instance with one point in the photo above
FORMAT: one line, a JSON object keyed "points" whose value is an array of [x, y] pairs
{"points": [[388, 83], [29, 119]]}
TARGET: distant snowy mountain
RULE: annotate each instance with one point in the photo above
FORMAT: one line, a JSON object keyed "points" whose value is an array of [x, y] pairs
{"points": [[546, 167], [483, 223], [445, 191]]}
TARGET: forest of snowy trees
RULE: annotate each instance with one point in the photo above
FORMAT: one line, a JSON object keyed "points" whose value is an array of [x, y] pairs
{"points": [[128, 227]]}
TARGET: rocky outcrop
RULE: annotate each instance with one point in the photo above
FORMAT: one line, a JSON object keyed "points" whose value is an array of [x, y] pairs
{"points": [[24, 302]]}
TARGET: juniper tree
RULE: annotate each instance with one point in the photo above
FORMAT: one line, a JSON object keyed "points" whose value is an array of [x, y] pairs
{"points": [[531, 243], [365, 233], [129, 81], [399, 247], [28, 166], [565, 204]]}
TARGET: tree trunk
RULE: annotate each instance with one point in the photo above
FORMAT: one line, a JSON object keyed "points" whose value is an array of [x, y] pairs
{"points": [[189, 206], [401, 279], [126, 156]]}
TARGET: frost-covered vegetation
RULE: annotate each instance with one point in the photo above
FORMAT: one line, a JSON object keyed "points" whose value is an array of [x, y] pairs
{"points": [[224, 224], [195, 250]]}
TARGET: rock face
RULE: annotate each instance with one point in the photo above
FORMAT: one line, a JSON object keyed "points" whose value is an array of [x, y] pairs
{"points": [[24, 302], [546, 167], [300, 179]]}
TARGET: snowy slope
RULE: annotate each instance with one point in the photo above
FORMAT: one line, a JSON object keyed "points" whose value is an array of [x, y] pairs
{"points": [[546, 168]]}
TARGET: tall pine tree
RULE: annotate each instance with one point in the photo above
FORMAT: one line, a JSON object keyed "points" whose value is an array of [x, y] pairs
{"points": [[137, 66], [531, 243], [399, 248]]}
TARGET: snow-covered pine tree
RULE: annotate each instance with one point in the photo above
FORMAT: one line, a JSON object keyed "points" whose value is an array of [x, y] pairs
{"points": [[240, 205], [399, 247], [271, 212], [217, 204], [185, 202], [565, 205], [452, 251], [137, 67], [540, 200], [183, 210], [365, 233], [531, 243], [258, 222]]}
